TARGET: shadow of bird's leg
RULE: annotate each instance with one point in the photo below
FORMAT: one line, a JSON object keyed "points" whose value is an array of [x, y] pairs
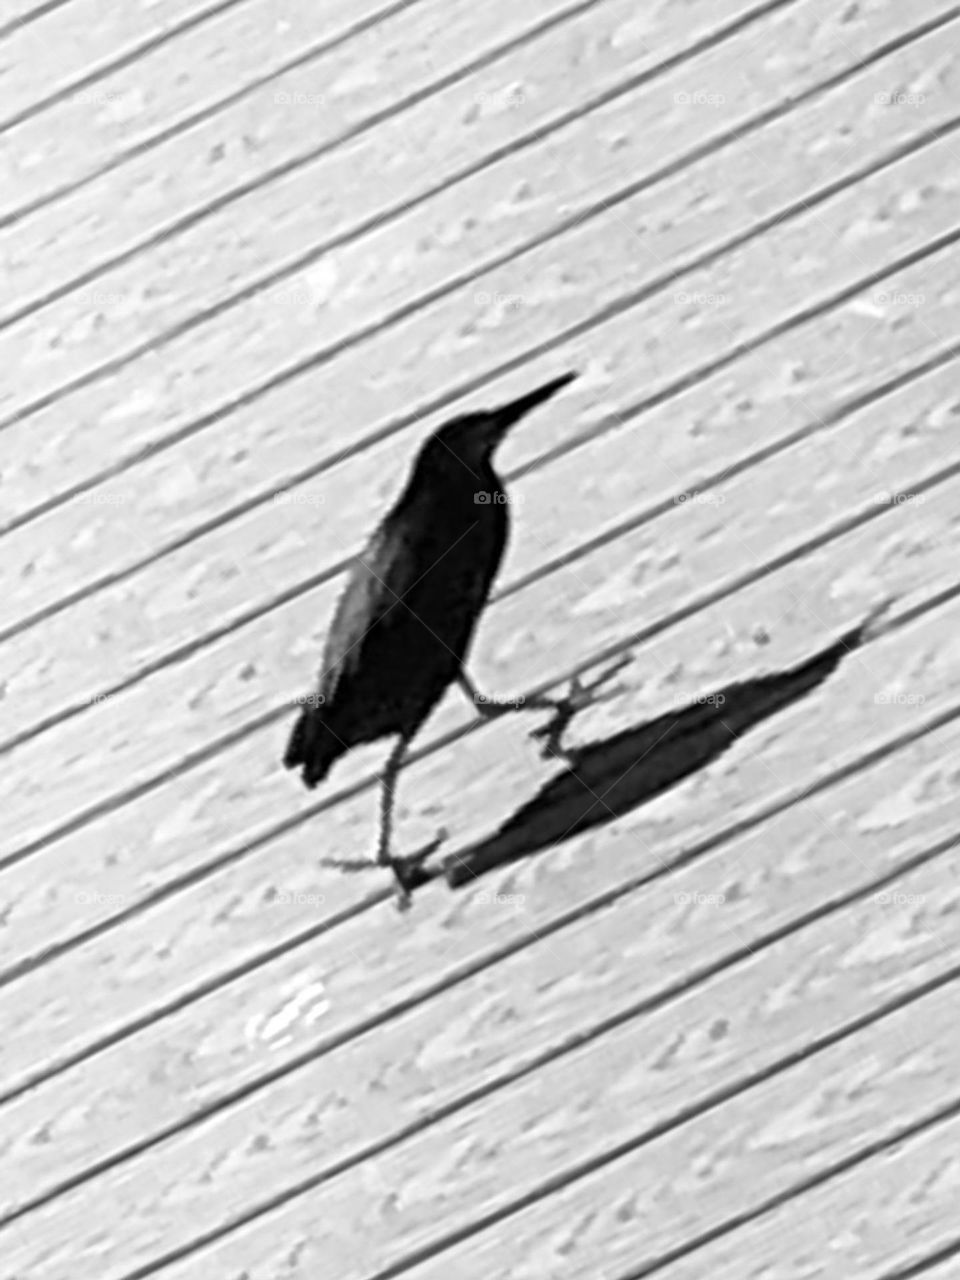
{"points": [[578, 698], [489, 708]]}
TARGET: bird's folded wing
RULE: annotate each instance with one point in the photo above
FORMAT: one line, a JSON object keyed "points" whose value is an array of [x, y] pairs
{"points": [[381, 575]]}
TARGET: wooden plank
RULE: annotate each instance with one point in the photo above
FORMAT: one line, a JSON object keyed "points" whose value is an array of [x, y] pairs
{"points": [[141, 303], [162, 501], [87, 652], [19, 12], [179, 88], [941, 1264], [885, 1212], [615, 343], [257, 966], [79, 42], [131, 856], [162, 83], [147, 729], [869, 829], [785, 379], [882, 1216], [125, 425], [197, 821], [658, 1045], [393, 68], [649, 1073]]}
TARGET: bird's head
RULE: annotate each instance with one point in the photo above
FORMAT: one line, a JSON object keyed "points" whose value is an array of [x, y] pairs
{"points": [[472, 438]]}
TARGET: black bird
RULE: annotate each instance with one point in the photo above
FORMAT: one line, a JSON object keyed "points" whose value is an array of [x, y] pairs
{"points": [[404, 622]]}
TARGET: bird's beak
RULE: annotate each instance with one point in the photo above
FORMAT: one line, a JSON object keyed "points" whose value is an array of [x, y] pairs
{"points": [[503, 418]]}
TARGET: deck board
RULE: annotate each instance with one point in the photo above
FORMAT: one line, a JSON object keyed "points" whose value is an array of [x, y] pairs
{"points": [[714, 1032], [477, 218], [504, 1019], [217, 469], [126, 432], [913, 1191]]}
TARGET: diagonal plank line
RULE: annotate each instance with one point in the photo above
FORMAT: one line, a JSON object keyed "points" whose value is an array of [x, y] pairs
{"points": [[645, 515], [770, 809]]}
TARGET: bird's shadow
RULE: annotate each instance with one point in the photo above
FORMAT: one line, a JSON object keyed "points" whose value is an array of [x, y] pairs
{"points": [[608, 778]]}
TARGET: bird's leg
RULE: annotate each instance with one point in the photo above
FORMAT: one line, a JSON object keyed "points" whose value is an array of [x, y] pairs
{"points": [[578, 697], [404, 868], [387, 790]]}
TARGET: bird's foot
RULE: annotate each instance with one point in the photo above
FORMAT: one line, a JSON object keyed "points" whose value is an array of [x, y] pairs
{"points": [[578, 698], [349, 864], [408, 869]]}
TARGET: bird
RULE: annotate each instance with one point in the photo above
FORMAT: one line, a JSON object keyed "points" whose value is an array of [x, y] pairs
{"points": [[403, 625]]}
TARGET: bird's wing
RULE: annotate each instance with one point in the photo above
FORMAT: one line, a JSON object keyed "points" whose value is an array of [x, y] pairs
{"points": [[381, 575]]}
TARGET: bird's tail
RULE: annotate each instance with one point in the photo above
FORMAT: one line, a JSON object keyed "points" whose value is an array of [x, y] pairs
{"points": [[313, 745]]}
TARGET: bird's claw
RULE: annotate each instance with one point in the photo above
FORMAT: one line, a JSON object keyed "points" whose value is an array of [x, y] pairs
{"points": [[348, 864], [407, 868], [578, 697]]}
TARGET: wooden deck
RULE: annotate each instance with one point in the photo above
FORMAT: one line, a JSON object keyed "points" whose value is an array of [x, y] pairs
{"points": [[692, 1009]]}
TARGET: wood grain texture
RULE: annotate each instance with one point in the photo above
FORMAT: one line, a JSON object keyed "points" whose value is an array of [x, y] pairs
{"points": [[162, 501], [72, 44], [761, 1142], [714, 1034], [126, 425], [347, 955], [876, 942], [346, 291], [129, 95], [211, 167], [756, 266], [785, 603], [776, 874]]}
